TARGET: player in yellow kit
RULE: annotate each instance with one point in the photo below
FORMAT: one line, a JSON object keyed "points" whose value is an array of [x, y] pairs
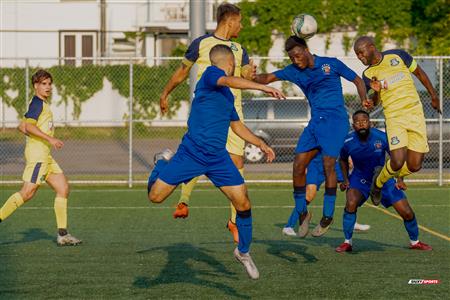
{"points": [[40, 166], [228, 27], [388, 78]]}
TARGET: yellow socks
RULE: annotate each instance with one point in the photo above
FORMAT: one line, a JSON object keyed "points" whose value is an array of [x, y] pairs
{"points": [[385, 174], [61, 212], [13, 203], [232, 209], [186, 190], [404, 171]]}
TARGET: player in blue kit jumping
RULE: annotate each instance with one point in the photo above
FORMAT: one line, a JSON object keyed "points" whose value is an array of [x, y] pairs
{"points": [[368, 147], [203, 151], [320, 80], [315, 177]]}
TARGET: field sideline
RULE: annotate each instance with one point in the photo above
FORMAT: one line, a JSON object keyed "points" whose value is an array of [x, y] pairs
{"points": [[133, 249]]}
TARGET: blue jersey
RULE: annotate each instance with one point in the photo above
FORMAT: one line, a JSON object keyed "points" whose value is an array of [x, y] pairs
{"points": [[366, 155], [211, 112], [320, 84]]}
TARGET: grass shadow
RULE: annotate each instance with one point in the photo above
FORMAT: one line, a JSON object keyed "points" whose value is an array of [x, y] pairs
{"points": [[179, 270], [30, 235], [282, 249]]}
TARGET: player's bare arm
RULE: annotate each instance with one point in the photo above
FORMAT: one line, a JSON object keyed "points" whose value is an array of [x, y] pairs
{"points": [[178, 77], [265, 78], [362, 92], [22, 127], [374, 93], [32, 129], [243, 132], [423, 77], [241, 83], [345, 165]]}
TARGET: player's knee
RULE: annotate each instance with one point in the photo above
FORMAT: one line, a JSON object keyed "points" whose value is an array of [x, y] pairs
{"points": [[27, 194], [299, 167], [408, 214], [64, 190], [155, 197], [396, 165], [351, 206], [414, 167], [243, 205]]}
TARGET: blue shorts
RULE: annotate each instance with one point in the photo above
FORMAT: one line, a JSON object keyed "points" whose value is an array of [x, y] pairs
{"points": [[316, 175], [389, 193], [189, 162], [326, 133]]}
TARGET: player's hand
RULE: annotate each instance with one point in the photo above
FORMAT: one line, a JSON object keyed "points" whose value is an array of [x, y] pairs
{"points": [[252, 70], [57, 144], [435, 103], [164, 104], [343, 186], [400, 184], [274, 92], [367, 104], [377, 85], [270, 154]]}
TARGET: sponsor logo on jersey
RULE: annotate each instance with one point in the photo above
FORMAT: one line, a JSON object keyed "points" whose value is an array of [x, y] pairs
{"points": [[378, 145]]}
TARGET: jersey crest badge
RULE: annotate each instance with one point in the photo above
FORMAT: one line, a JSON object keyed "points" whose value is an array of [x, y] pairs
{"points": [[377, 144], [233, 47], [394, 140], [394, 62], [326, 69]]}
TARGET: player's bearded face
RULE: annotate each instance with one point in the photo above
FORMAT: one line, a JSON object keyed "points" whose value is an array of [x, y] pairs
{"points": [[361, 124]]}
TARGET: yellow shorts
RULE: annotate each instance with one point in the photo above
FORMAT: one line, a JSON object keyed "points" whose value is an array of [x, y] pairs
{"points": [[235, 145], [37, 172], [408, 131]]}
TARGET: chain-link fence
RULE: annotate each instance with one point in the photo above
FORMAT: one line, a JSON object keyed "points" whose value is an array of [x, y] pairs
{"points": [[107, 113]]}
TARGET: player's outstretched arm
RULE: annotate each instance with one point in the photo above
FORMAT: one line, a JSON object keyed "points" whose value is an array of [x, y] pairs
{"points": [[241, 83], [32, 129], [423, 77], [362, 92], [247, 135], [178, 77], [265, 78]]}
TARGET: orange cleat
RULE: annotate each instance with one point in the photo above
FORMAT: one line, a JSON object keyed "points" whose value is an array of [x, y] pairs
{"points": [[344, 247], [182, 211], [421, 246], [234, 231]]}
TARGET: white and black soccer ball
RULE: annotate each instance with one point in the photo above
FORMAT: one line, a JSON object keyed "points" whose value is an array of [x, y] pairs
{"points": [[304, 26]]}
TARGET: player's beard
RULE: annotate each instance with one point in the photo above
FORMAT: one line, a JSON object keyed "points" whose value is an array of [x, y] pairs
{"points": [[363, 133]]}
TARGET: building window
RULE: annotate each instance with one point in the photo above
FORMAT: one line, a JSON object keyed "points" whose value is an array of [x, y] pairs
{"points": [[78, 45]]}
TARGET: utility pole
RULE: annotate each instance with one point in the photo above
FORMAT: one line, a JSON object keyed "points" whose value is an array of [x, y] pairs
{"points": [[196, 28]]}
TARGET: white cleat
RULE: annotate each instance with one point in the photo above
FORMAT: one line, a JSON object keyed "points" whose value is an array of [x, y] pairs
{"points": [[289, 231], [67, 240], [247, 261], [166, 155], [361, 227]]}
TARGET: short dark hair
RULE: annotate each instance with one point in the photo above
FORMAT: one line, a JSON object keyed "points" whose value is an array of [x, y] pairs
{"points": [[41, 75], [360, 111], [294, 41], [226, 10], [219, 51]]}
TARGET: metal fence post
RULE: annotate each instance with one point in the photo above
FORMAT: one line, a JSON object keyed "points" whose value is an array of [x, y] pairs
{"points": [[441, 104], [130, 129], [27, 82]]}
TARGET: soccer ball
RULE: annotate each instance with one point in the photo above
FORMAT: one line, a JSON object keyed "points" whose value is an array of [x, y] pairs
{"points": [[304, 26]]}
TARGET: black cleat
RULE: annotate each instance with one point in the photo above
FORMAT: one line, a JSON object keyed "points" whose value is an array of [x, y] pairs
{"points": [[375, 191]]}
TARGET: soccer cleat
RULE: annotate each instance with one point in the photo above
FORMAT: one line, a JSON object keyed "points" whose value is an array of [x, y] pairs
{"points": [[361, 227], [375, 191], [247, 261], [303, 229], [182, 211], [234, 231], [322, 227], [344, 247], [289, 231], [420, 246], [166, 155], [67, 240]]}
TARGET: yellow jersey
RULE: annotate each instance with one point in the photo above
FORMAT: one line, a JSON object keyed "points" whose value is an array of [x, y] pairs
{"points": [[39, 114], [395, 68], [198, 52]]}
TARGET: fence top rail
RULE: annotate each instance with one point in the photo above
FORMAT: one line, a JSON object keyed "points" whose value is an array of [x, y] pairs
{"points": [[181, 57]]}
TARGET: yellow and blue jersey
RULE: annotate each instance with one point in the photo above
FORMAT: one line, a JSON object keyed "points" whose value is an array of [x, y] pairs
{"points": [[395, 68], [39, 114], [198, 52]]}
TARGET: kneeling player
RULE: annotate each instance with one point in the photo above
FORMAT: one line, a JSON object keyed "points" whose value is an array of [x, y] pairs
{"points": [[202, 150], [367, 148]]}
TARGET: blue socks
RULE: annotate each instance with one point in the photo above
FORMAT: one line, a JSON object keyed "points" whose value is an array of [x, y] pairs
{"points": [[300, 206], [244, 225], [159, 166], [348, 223], [329, 200], [412, 228]]}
